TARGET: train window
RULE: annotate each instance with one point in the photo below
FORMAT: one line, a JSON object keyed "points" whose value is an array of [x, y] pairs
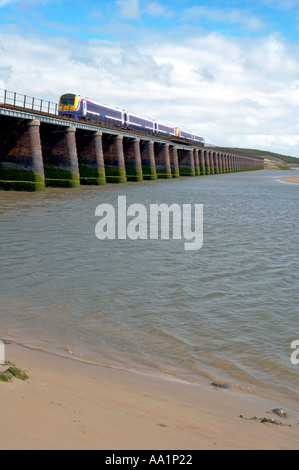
{"points": [[186, 134], [108, 112], [161, 127], [140, 122], [67, 101]]}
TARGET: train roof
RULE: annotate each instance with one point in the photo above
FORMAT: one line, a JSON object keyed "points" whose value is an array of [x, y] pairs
{"points": [[68, 95]]}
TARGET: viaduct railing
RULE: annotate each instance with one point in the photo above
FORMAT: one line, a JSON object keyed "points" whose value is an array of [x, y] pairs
{"points": [[18, 101], [11, 98], [38, 148]]}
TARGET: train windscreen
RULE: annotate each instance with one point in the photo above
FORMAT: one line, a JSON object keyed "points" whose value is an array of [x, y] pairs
{"points": [[67, 101]]}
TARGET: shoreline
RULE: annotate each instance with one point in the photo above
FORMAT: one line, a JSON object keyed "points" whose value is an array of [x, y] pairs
{"points": [[203, 376], [70, 404], [290, 179]]}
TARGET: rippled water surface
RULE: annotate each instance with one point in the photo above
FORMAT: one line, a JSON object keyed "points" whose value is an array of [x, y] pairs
{"points": [[228, 310]]}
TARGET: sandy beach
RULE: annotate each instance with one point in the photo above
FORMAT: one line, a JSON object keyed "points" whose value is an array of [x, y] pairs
{"points": [[291, 179], [68, 404]]}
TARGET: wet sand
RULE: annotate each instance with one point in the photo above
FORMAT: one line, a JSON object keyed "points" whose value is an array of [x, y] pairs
{"points": [[291, 179], [67, 404]]}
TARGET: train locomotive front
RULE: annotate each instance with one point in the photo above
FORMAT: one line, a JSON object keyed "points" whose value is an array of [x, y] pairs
{"points": [[76, 107], [70, 105]]}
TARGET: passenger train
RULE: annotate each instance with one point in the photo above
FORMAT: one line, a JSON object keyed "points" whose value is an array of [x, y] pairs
{"points": [[77, 107]]}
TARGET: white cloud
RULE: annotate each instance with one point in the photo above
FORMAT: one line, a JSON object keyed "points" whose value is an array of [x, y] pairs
{"points": [[6, 2], [281, 4], [156, 9], [129, 9], [236, 93], [229, 16], [284, 144]]}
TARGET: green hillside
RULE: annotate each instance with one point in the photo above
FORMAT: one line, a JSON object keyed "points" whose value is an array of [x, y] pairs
{"points": [[257, 154]]}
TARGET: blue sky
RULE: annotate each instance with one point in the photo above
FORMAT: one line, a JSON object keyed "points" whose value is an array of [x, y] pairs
{"points": [[228, 70]]}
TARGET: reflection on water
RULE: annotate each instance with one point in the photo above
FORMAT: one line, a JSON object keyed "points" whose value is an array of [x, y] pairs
{"points": [[229, 310]]}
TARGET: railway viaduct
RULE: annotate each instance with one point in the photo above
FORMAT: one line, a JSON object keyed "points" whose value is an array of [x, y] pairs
{"points": [[38, 148]]}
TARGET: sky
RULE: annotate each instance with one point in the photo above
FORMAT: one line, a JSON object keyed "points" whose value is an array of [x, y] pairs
{"points": [[226, 70]]}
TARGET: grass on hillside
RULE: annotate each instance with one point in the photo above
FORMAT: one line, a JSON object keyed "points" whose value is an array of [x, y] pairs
{"points": [[257, 154]]}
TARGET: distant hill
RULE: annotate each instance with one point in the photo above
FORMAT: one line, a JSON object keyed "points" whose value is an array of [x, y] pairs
{"points": [[278, 160]]}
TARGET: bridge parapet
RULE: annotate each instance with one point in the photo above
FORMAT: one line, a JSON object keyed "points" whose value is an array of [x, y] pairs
{"points": [[17, 100]]}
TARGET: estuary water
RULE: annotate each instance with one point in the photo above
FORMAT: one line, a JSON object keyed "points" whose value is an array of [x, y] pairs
{"points": [[226, 312]]}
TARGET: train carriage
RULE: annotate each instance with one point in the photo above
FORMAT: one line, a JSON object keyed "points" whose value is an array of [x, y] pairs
{"points": [[77, 107], [165, 129], [199, 139], [132, 120], [103, 113], [186, 135], [191, 136]]}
